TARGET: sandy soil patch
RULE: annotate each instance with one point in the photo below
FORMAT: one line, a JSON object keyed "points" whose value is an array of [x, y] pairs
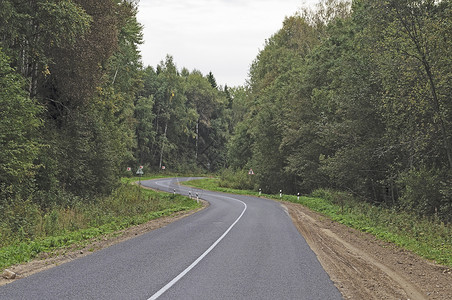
{"points": [[363, 267]]}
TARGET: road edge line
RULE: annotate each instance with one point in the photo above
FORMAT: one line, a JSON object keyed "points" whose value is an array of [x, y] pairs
{"points": [[193, 264]]}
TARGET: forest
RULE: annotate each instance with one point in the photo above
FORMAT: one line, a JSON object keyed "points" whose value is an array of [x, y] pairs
{"points": [[355, 97], [351, 96]]}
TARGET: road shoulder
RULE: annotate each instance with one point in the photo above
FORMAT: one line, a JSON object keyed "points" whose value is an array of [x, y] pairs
{"points": [[363, 267]]}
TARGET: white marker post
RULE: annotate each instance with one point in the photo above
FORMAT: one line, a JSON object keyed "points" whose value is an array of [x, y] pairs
{"points": [[298, 196], [260, 192], [140, 173], [197, 198], [280, 194]]}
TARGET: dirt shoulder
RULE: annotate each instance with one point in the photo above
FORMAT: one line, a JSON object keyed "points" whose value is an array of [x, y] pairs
{"points": [[363, 267]]}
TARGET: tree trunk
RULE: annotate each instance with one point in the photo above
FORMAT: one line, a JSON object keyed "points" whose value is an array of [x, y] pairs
{"points": [[446, 143], [414, 35], [163, 146], [197, 137]]}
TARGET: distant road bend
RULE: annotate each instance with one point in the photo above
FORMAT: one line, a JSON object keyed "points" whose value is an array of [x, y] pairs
{"points": [[240, 247]]}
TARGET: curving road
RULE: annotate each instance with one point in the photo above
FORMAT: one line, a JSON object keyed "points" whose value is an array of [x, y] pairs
{"points": [[240, 247]]}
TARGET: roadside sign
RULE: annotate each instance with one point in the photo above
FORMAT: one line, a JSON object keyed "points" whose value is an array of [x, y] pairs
{"points": [[163, 168], [140, 172], [141, 167], [129, 169], [250, 172]]}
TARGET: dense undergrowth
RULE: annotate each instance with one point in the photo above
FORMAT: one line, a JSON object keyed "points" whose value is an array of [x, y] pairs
{"points": [[427, 237], [28, 230]]}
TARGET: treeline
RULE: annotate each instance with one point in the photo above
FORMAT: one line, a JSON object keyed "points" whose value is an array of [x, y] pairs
{"points": [[183, 120], [355, 97], [70, 72], [77, 108]]}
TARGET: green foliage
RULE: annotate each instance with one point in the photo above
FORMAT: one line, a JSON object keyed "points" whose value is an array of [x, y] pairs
{"points": [[89, 91], [19, 222], [212, 80], [428, 237], [145, 132], [19, 124], [213, 184], [357, 100], [411, 59], [27, 231], [237, 179], [426, 192], [87, 109], [64, 22], [188, 122], [30, 29], [240, 147]]}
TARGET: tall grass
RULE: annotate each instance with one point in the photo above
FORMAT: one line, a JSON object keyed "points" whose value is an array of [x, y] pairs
{"points": [[26, 230], [234, 179], [429, 237]]}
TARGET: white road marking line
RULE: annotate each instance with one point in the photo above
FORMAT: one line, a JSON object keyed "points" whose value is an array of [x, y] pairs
{"points": [[178, 277]]}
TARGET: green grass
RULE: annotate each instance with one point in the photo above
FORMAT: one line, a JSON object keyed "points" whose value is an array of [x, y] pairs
{"points": [[428, 238], [61, 228], [212, 184]]}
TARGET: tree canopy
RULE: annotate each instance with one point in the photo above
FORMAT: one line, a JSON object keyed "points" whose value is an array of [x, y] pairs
{"points": [[355, 97]]}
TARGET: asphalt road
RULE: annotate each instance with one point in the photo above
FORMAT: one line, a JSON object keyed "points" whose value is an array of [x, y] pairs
{"points": [[239, 247]]}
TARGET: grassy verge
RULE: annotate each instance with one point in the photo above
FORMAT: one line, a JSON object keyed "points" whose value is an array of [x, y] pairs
{"points": [[428, 238], [64, 227]]}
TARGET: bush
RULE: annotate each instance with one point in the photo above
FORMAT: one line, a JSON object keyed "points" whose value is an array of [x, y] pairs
{"points": [[47, 200], [237, 179], [335, 197], [20, 221], [427, 192]]}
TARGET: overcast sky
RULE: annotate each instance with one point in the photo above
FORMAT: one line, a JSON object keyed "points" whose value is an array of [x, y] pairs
{"points": [[222, 36]]}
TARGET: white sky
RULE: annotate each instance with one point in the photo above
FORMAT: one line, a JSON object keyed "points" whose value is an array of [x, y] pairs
{"points": [[221, 36]]}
